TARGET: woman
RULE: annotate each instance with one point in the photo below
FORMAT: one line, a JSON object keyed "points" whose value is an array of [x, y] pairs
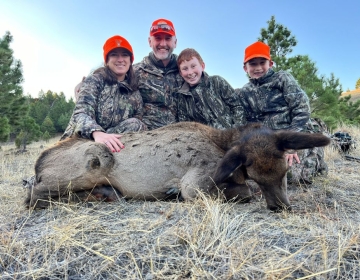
{"points": [[109, 102]]}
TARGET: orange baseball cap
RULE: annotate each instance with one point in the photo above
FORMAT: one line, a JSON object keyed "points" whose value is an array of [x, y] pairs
{"points": [[258, 49], [162, 25], [117, 42]]}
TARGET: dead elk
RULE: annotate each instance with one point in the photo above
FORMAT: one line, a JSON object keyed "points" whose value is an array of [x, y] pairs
{"points": [[181, 158]]}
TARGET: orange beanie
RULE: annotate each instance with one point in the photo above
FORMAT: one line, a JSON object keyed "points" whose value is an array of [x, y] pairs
{"points": [[117, 42], [258, 49]]}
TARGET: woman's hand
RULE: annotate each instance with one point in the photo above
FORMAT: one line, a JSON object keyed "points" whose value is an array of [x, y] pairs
{"points": [[290, 158], [110, 140]]}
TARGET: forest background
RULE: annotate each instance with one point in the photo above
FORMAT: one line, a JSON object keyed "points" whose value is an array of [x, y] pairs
{"points": [[24, 119]]}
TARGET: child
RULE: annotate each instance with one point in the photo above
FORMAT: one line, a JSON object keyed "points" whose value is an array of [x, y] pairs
{"points": [[206, 99], [276, 100]]}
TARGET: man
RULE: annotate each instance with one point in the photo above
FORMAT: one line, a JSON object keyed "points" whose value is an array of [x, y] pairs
{"points": [[159, 77]]}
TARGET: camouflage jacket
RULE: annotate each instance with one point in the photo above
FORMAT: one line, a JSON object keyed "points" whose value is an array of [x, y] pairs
{"points": [[276, 100], [101, 106], [212, 102], [157, 85]]}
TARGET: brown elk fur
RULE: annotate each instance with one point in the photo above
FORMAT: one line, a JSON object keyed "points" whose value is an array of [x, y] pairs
{"points": [[182, 158]]}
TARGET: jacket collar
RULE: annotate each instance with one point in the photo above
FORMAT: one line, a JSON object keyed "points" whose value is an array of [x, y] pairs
{"points": [[264, 78], [186, 89], [156, 63]]}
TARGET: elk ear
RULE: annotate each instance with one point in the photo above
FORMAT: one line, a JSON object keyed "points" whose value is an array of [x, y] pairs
{"points": [[232, 160], [300, 140]]}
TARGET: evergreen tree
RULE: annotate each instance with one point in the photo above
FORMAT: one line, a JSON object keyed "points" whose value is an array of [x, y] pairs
{"points": [[55, 107], [46, 136], [279, 39], [38, 110], [12, 102], [30, 131], [58, 108], [64, 120], [349, 110], [357, 85], [4, 129], [48, 126]]}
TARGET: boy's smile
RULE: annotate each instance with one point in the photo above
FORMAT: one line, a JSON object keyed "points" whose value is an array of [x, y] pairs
{"points": [[257, 67], [191, 71]]}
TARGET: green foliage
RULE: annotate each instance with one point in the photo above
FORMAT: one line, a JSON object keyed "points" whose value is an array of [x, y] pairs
{"points": [[357, 85], [46, 136], [54, 107], [30, 131], [4, 129], [48, 126], [38, 110], [350, 111], [279, 39], [64, 120], [51, 111], [13, 104]]}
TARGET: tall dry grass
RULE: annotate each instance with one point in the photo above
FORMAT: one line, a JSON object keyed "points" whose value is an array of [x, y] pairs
{"points": [[206, 239]]}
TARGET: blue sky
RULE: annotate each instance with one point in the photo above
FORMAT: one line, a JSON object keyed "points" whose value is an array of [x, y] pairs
{"points": [[58, 42]]}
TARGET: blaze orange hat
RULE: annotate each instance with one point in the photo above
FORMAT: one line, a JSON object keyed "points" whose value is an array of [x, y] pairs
{"points": [[258, 49], [117, 42], [162, 25]]}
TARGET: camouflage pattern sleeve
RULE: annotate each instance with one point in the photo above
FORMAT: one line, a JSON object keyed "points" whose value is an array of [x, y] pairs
{"points": [[297, 100], [138, 105], [240, 115], [84, 115], [276, 100], [102, 106], [182, 110], [231, 99]]}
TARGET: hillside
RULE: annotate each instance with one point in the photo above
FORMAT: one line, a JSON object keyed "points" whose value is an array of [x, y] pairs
{"points": [[355, 94]]}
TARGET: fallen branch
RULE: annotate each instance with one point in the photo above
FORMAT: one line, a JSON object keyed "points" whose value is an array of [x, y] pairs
{"points": [[352, 158]]}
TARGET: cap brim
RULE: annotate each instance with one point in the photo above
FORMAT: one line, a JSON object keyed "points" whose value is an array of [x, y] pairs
{"points": [[162, 32], [257, 55]]}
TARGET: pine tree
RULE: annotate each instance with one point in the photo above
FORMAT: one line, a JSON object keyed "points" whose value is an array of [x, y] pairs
{"points": [[357, 85], [30, 131], [48, 126], [13, 104], [46, 136], [280, 40], [54, 106]]}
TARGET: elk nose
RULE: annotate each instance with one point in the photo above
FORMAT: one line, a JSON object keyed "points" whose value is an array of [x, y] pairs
{"points": [[279, 208]]}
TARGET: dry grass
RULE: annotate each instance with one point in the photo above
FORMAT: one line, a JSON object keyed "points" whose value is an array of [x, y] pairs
{"points": [[207, 239], [355, 94]]}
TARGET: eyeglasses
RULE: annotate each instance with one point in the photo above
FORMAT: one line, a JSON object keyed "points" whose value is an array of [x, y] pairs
{"points": [[164, 27]]}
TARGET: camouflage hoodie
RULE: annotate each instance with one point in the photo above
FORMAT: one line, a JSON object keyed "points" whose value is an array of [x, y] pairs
{"points": [[102, 106], [212, 102], [276, 100], [157, 85]]}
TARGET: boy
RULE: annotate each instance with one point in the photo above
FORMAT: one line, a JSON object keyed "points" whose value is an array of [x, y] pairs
{"points": [[206, 99], [276, 100]]}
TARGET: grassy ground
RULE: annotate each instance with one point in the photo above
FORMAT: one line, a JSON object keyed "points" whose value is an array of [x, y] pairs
{"points": [[207, 239]]}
